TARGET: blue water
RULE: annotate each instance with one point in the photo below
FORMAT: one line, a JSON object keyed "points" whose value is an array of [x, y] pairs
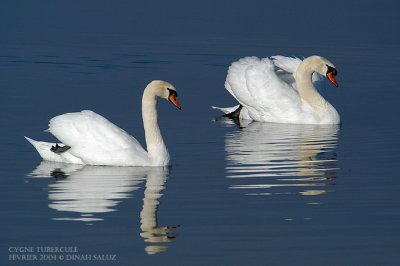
{"points": [[263, 194]]}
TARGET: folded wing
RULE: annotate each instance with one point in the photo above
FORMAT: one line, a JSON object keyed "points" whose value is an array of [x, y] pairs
{"points": [[97, 141]]}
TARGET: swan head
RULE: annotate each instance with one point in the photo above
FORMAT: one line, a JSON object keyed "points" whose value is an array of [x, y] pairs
{"points": [[324, 67], [166, 91]]}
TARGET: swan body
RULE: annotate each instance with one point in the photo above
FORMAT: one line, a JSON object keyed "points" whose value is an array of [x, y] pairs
{"points": [[281, 89], [93, 140]]}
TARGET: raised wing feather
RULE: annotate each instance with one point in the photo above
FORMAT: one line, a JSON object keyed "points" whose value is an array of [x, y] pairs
{"points": [[255, 84], [286, 67], [287, 64]]}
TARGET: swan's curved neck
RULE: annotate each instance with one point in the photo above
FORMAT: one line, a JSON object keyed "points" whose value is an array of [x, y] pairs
{"points": [[156, 148], [306, 88]]}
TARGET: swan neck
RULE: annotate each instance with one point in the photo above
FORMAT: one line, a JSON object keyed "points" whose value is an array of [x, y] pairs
{"points": [[156, 148], [306, 87]]}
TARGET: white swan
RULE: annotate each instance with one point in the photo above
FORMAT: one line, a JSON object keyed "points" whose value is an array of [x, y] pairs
{"points": [[91, 139], [280, 90]]}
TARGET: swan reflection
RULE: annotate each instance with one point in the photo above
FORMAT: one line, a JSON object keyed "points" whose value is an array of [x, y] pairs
{"points": [[268, 158], [151, 231], [83, 192]]}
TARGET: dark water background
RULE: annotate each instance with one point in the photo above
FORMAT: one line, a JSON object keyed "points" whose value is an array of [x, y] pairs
{"points": [[261, 195]]}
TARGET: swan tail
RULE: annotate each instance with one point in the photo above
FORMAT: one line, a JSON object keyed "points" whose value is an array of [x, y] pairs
{"points": [[50, 152], [235, 114], [44, 149], [226, 110]]}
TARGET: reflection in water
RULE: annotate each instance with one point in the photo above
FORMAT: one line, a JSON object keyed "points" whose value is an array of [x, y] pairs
{"points": [[268, 158], [151, 232], [92, 190], [88, 190]]}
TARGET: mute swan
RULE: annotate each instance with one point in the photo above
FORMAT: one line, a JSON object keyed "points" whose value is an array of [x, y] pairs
{"points": [[280, 89], [88, 138]]}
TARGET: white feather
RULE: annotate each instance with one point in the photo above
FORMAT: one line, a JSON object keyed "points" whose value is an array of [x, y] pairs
{"points": [[94, 140], [97, 141], [268, 91]]}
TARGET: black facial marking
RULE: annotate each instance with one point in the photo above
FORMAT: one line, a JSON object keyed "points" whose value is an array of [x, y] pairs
{"points": [[331, 69], [172, 92]]}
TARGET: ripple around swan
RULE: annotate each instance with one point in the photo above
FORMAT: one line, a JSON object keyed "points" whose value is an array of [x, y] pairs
{"points": [[267, 159]]}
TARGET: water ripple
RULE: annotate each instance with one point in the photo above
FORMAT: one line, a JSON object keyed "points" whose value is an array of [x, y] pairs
{"points": [[278, 159], [83, 193]]}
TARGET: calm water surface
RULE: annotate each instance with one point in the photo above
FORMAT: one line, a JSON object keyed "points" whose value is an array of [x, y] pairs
{"points": [[255, 194]]}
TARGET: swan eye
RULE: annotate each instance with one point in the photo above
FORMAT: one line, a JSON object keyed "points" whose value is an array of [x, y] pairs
{"points": [[331, 69]]}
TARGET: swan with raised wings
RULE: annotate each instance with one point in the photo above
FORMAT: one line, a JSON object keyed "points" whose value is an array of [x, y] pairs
{"points": [[280, 89], [88, 138]]}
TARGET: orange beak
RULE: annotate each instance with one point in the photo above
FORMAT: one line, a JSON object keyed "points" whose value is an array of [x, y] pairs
{"points": [[172, 98], [332, 79]]}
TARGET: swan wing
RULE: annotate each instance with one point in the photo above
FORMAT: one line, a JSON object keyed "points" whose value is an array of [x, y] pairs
{"points": [[256, 85], [287, 64], [97, 141], [286, 67]]}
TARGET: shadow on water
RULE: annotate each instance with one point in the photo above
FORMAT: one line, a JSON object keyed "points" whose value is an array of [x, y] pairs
{"points": [[282, 159], [89, 191]]}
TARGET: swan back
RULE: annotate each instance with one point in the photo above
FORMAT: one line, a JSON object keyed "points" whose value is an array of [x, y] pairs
{"points": [[97, 141]]}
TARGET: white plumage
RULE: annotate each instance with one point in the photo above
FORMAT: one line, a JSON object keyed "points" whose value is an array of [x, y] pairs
{"points": [[96, 141], [93, 140], [280, 89]]}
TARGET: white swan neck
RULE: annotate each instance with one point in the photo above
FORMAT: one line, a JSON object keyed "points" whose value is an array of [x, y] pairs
{"points": [[156, 148], [305, 86]]}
